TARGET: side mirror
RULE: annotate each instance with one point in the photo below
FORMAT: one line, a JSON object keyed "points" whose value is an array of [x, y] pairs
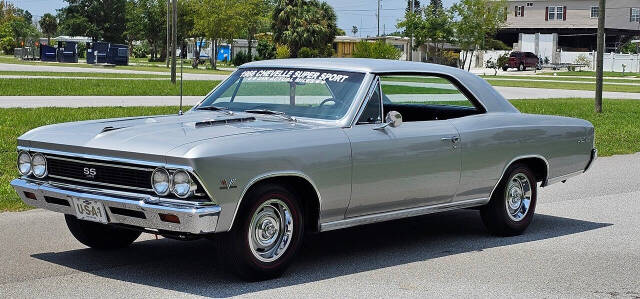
{"points": [[393, 119]]}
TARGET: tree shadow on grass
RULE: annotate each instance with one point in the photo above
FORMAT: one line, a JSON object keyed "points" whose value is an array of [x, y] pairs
{"points": [[191, 267]]}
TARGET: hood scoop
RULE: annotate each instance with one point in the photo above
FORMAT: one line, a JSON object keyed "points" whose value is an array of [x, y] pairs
{"points": [[212, 122], [110, 128]]}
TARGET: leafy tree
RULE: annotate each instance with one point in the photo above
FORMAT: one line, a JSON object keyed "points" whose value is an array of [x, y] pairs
{"points": [[255, 18], [218, 20], [283, 51], [49, 26], [303, 23], [98, 19], [378, 50], [477, 20], [416, 6], [432, 25]]}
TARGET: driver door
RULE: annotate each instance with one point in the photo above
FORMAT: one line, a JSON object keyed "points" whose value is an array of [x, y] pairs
{"points": [[403, 167]]}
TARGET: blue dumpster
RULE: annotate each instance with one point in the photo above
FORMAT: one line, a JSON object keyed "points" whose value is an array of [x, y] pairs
{"points": [[47, 53], [100, 50], [68, 52], [118, 54]]}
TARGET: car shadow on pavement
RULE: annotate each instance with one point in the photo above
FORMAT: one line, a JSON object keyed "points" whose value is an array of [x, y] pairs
{"points": [[191, 267]]}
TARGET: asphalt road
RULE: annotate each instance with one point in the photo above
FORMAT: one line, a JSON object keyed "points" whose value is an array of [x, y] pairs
{"points": [[584, 242]]}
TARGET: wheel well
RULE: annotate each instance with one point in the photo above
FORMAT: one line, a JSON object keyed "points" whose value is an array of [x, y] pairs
{"points": [[309, 200], [537, 165]]}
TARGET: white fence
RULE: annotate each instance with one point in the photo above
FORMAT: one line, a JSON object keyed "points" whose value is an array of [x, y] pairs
{"points": [[613, 62]]}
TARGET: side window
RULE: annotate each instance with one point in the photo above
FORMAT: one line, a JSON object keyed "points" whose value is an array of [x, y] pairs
{"points": [[372, 113], [425, 98]]}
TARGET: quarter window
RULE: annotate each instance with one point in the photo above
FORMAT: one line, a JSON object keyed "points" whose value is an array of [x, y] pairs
{"points": [[595, 12]]}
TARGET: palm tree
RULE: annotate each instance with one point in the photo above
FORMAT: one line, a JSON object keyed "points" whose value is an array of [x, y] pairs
{"points": [[354, 30]]}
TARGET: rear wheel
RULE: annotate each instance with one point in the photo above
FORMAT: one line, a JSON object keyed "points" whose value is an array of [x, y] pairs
{"points": [[504, 68], [513, 203], [266, 236], [522, 68], [100, 236]]}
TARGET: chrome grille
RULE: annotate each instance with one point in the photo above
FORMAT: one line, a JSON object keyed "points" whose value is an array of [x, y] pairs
{"points": [[94, 172]]}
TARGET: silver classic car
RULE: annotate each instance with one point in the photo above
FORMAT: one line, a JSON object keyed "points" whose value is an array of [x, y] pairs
{"points": [[286, 147]]}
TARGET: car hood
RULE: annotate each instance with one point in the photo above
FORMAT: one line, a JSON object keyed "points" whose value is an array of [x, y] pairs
{"points": [[149, 136]]}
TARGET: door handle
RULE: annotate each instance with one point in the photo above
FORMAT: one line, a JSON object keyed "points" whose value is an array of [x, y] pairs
{"points": [[453, 139]]}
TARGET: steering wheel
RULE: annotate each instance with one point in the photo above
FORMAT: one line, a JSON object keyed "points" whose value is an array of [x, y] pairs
{"points": [[327, 101]]}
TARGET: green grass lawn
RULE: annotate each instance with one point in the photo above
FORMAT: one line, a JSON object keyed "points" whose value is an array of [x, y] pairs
{"points": [[593, 74], [89, 87], [617, 130], [147, 67], [81, 74], [560, 85]]}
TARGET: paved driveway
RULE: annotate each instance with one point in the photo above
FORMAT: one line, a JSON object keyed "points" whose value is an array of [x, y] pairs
{"points": [[584, 242]]}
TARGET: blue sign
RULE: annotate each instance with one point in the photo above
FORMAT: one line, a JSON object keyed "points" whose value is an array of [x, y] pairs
{"points": [[224, 53]]}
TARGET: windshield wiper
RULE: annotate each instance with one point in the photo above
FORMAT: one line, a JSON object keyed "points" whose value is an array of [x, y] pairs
{"points": [[271, 112], [215, 108]]}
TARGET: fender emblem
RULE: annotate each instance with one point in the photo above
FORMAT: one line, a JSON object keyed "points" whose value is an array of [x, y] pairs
{"points": [[228, 183]]}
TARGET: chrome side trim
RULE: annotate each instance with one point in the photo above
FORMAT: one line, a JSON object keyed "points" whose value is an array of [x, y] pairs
{"points": [[99, 183], [386, 216], [565, 177], [194, 219], [271, 175], [504, 171]]}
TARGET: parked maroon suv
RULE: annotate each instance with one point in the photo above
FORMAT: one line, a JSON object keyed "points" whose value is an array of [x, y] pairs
{"points": [[521, 61]]}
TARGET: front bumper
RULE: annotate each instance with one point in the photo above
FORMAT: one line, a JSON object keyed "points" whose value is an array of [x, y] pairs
{"points": [[594, 156], [138, 210]]}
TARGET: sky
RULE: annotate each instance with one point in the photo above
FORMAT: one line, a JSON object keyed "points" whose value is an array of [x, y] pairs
{"points": [[360, 13]]}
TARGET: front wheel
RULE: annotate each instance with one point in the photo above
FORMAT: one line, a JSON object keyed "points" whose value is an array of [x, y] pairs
{"points": [[100, 236], [504, 68], [522, 68], [513, 203], [266, 235]]}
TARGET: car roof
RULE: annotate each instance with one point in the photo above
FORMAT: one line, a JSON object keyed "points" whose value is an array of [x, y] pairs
{"points": [[487, 95]]}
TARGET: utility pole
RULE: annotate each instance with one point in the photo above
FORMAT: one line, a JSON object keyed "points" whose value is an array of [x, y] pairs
{"points": [[378, 17], [413, 4], [174, 40], [600, 56], [168, 31]]}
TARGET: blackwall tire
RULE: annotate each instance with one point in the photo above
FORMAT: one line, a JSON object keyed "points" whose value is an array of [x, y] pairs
{"points": [[513, 203], [100, 236], [270, 218]]}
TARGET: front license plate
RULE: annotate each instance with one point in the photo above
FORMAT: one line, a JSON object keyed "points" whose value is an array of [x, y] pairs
{"points": [[90, 210]]}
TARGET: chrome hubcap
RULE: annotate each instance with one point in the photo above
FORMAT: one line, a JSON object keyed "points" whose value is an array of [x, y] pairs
{"points": [[518, 197], [270, 230]]}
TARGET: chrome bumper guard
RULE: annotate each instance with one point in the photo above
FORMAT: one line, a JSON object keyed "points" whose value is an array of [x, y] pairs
{"points": [[594, 156], [141, 211]]}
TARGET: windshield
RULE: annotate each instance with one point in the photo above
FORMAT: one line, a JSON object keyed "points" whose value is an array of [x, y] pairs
{"points": [[296, 92]]}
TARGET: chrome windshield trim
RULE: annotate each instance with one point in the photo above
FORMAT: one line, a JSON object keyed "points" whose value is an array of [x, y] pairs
{"points": [[99, 183], [98, 163]]}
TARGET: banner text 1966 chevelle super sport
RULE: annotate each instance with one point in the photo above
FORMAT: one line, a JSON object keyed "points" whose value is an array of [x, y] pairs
{"points": [[285, 147]]}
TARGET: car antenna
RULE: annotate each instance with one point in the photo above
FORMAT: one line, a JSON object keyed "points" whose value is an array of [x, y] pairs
{"points": [[180, 111]]}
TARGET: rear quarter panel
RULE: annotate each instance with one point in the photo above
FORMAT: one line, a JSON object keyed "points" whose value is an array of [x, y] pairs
{"points": [[490, 142]]}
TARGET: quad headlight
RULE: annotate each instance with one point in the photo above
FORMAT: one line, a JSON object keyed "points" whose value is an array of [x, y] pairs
{"points": [[39, 166], [161, 181], [182, 185], [24, 163]]}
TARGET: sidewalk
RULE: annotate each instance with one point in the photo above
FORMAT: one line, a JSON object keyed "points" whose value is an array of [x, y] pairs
{"points": [[95, 101]]}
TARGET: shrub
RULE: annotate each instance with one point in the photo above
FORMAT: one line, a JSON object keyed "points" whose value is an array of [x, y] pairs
{"points": [[378, 50], [503, 60], [140, 51], [307, 53], [583, 59], [240, 58], [282, 51], [266, 50], [82, 50]]}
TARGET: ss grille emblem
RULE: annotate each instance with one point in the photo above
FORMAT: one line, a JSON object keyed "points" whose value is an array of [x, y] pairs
{"points": [[89, 172]]}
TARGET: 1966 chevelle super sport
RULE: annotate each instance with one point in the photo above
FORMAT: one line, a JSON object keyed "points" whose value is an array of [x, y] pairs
{"points": [[285, 147]]}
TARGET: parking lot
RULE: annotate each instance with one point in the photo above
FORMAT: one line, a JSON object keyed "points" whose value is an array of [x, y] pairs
{"points": [[583, 242]]}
